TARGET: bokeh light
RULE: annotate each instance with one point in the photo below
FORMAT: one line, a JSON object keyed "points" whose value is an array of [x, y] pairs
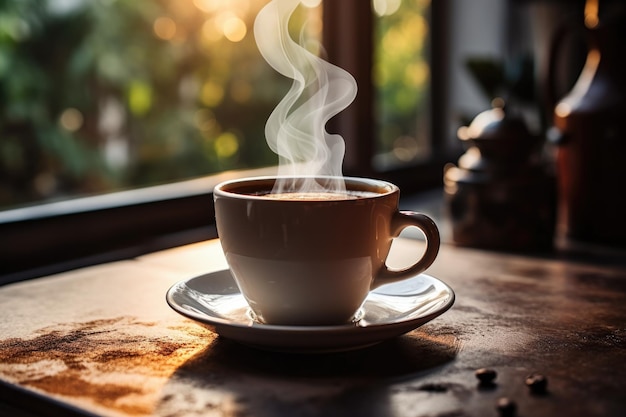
{"points": [[71, 119], [211, 94], [139, 98], [164, 28], [386, 7], [234, 29], [416, 74], [211, 33], [226, 145], [150, 92]]}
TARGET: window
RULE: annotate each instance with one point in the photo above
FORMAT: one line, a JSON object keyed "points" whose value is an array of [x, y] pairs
{"points": [[401, 77], [106, 95], [102, 95], [406, 146]]}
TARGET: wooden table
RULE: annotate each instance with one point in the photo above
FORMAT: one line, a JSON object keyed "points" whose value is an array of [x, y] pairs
{"points": [[103, 341]]}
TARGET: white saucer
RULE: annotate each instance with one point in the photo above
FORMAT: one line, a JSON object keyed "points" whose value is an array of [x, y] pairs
{"points": [[391, 310]]}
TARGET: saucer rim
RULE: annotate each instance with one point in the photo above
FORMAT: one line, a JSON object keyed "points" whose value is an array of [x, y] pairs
{"points": [[254, 326]]}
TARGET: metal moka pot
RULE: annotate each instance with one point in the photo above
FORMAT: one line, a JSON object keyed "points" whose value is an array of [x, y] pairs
{"points": [[499, 196]]}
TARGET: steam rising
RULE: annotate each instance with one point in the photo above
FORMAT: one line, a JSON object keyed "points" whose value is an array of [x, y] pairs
{"points": [[296, 129]]}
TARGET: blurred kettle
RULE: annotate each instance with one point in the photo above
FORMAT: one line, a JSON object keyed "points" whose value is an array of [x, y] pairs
{"points": [[590, 134]]}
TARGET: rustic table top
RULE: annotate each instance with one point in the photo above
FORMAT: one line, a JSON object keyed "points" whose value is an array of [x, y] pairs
{"points": [[102, 341]]}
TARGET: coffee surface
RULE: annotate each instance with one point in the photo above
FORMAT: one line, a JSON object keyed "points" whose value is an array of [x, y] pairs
{"points": [[321, 196]]}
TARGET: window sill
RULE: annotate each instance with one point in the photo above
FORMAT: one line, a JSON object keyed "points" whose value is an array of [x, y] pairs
{"points": [[55, 237]]}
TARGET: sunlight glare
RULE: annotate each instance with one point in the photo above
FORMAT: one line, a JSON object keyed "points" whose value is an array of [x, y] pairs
{"points": [[311, 4], [386, 7], [208, 6], [215, 6]]}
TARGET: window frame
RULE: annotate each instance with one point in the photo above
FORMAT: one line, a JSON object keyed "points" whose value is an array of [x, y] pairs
{"points": [[56, 237], [60, 236], [344, 24]]}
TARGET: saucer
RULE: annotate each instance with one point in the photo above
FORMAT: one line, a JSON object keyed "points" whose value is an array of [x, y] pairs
{"points": [[214, 300]]}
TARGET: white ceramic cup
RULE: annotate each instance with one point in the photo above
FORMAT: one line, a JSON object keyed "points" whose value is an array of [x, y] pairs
{"points": [[313, 261]]}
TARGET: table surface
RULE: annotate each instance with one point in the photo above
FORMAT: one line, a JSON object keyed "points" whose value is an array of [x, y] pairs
{"points": [[102, 341]]}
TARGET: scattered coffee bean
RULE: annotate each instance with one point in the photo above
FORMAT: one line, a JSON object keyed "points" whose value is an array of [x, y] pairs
{"points": [[506, 407], [486, 375], [537, 383]]}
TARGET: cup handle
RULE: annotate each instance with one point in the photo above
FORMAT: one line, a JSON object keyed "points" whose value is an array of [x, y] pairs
{"points": [[399, 222]]}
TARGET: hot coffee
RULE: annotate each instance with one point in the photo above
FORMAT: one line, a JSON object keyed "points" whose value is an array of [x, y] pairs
{"points": [[321, 196], [312, 258]]}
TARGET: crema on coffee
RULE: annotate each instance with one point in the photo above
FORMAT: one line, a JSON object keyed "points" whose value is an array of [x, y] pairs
{"points": [[321, 196]]}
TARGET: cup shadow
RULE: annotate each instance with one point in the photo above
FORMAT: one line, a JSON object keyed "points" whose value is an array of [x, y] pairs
{"points": [[265, 383], [403, 355]]}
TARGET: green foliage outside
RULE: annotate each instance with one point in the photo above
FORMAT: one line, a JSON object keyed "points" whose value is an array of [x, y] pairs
{"points": [[402, 78], [92, 100], [119, 94]]}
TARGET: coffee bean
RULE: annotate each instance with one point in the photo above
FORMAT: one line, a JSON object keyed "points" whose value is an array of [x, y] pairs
{"points": [[537, 383], [506, 407], [486, 375]]}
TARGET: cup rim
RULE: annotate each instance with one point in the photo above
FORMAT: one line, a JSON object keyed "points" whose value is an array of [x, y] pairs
{"points": [[220, 190]]}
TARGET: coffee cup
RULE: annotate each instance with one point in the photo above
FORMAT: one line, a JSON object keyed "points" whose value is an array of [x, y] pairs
{"points": [[312, 258]]}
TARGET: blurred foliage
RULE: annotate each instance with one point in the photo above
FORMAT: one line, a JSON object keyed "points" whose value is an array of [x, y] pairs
{"points": [[101, 95], [402, 79]]}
